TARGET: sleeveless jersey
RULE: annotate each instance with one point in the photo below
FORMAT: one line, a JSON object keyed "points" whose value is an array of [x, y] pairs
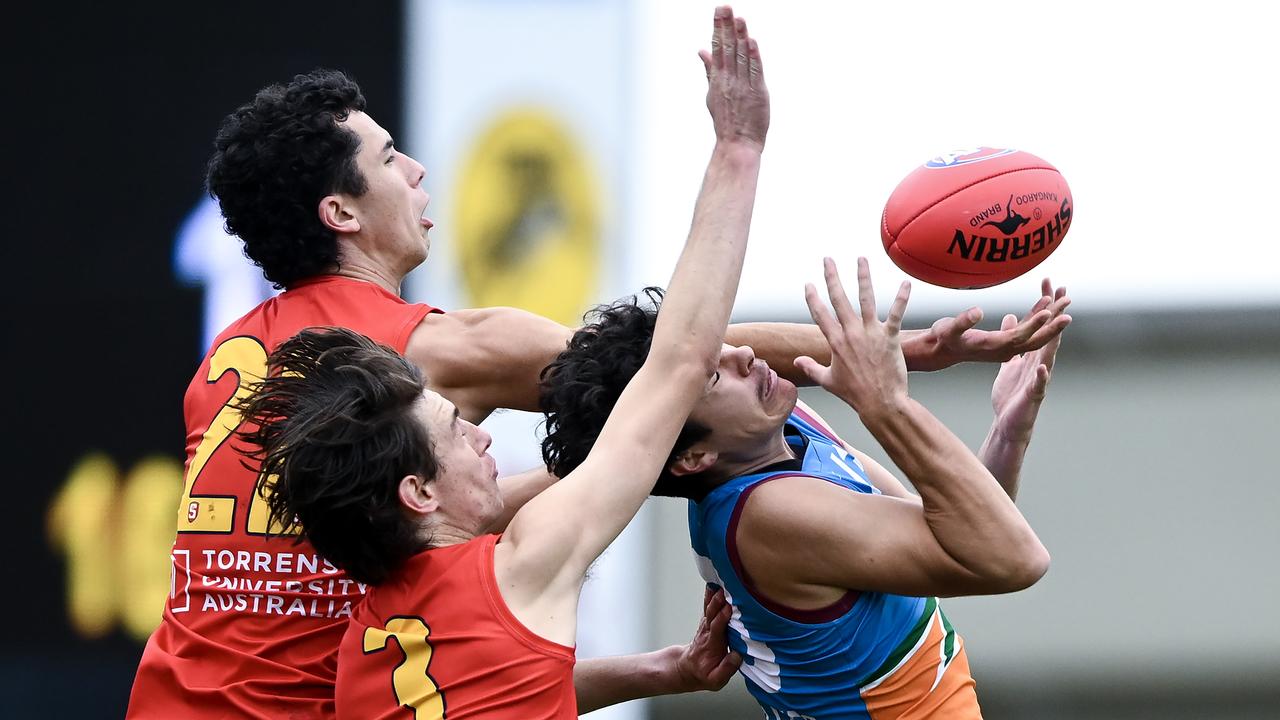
{"points": [[868, 655], [252, 623], [437, 642]]}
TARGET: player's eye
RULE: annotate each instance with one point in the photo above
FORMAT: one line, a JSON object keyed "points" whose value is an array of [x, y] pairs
{"points": [[391, 158]]}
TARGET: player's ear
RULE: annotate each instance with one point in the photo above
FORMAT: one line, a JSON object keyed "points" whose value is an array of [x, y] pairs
{"points": [[693, 461], [418, 494], [336, 214]]}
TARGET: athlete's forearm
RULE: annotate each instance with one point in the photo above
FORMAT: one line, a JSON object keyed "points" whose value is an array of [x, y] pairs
{"points": [[780, 343], [700, 295], [601, 682], [688, 334], [969, 513], [1002, 455]]}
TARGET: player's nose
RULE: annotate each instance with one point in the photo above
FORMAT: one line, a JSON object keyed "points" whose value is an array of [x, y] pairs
{"points": [[484, 438], [417, 173], [743, 357]]}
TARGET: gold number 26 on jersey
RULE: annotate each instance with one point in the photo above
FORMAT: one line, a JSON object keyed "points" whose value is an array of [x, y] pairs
{"points": [[247, 359]]}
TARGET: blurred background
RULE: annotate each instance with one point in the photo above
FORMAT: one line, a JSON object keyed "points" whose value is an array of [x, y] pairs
{"points": [[564, 142]]}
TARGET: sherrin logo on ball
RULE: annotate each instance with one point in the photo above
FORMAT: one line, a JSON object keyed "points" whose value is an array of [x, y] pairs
{"points": [[994, 214]]}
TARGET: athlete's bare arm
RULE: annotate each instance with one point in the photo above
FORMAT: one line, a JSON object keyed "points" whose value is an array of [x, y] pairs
{"points": [[1016, 396], [490, 358], [964, 536], [486, 359], [541, 560], [949, 341]]}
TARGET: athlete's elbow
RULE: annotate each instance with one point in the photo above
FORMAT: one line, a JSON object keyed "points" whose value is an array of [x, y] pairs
{"points": [[1025, 567]]}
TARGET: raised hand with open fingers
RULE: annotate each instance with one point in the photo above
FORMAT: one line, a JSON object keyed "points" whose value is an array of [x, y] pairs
{"points": [[867, 368], [1020, 386], [953, 340], [736, 92]]}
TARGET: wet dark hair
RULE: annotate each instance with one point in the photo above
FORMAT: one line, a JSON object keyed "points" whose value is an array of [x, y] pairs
{"points": [[581, 386], [274, 159], [332, 432]]}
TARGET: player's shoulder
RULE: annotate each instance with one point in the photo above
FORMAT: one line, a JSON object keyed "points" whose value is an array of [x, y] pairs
{"points": [[440, 340], [779, 500], [787, 513]]}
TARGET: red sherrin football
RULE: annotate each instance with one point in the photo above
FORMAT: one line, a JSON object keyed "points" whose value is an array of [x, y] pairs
{"points": [[976, 218]]}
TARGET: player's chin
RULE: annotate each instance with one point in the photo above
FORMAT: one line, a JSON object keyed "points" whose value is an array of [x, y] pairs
{"points": [[786, 395]]}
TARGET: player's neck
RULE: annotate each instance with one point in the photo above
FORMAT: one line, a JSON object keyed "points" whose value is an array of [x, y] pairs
{"points": [[371, 273], [444, 533], [774, 451], [370, 267]]}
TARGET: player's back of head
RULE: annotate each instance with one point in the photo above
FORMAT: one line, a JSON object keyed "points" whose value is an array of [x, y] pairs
{"points": [[275, 158], [581, 386], [334, 429]]}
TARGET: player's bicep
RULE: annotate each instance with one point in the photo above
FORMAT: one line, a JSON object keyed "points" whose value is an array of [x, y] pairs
{"points": [[486, 359], [822, 534]]}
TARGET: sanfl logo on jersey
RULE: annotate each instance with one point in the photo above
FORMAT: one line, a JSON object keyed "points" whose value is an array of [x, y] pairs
{"points": [[967, 156]]}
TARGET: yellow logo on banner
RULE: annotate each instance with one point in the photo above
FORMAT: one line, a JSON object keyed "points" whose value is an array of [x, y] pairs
{"points": [[527, 221]]}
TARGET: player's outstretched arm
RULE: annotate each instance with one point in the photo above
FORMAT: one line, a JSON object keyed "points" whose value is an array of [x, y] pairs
{"points": [[953, 340], [552, 540], [967, 532], [1016, 396], [949, 341], [485, 359]]}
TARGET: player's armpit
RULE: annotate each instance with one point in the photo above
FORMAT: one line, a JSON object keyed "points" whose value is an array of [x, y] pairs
{"points": [[799, 534], [558, 533], [549, 544], [486, 359]]}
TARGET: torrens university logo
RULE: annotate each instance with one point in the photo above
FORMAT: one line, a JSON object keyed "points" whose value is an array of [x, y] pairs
{"points": [[967, 156]]}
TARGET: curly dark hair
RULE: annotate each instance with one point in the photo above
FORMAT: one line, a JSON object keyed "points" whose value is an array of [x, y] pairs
{"points": [[331, 432], [274, 158], [580, 387]]}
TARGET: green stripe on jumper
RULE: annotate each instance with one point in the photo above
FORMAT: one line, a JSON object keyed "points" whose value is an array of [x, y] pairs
{"points": [[949, 639], [906, 645]]}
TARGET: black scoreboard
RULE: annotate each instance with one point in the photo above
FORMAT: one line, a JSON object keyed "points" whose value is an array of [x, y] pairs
{"points": [[107, 132]]}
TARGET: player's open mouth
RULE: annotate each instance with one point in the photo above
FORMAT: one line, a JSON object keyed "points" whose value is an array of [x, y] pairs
{"points": [[422, 217], [768, 381]]}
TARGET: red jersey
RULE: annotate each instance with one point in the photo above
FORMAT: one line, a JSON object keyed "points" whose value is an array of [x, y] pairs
{"points": [[437, 642], [252, 622]]}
